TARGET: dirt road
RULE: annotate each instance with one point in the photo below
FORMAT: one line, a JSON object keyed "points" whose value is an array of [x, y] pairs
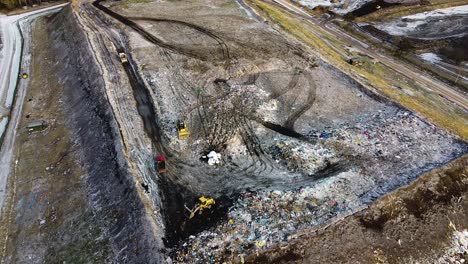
{"points": [[406, 70], [15, 52]]}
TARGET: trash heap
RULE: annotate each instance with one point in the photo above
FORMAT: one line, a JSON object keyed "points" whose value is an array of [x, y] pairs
{"points": [[300, 157], [386, 138], [457, 252], [389, 139], [389, 146], [213, 158], [259, 220]]}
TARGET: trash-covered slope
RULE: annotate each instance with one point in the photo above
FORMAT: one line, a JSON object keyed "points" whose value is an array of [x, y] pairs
{"points": [[300, 142]]}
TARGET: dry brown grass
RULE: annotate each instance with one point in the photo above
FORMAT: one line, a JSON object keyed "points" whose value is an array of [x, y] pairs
{"points": [[47, 182], [436, 109]]}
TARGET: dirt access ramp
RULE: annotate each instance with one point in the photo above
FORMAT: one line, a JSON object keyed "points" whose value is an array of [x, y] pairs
{"points": [[413, 223]]}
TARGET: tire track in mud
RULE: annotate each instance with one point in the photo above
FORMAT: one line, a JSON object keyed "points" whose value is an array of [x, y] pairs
{"points": [[239, 122], [172, 65], [291, 86], [153, 39], [306, 106], [221, 43], [288, 128]]}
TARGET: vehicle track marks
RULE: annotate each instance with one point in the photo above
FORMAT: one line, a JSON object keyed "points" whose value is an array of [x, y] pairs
{"points": [[221, 43], [306, 106]]}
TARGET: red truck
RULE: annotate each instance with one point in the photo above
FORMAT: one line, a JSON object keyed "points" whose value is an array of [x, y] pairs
{"points": [[161, 164]]}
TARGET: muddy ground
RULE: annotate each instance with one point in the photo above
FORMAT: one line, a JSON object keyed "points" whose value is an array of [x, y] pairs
{"points": [[281, 119]]}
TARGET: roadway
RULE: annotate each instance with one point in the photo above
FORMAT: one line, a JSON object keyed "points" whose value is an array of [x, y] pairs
{"points": [[15, 55], [418, 76]]}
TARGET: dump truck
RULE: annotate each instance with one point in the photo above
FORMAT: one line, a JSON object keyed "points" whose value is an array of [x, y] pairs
{"points": [[182, 129], [123, 57], [161, 164]]}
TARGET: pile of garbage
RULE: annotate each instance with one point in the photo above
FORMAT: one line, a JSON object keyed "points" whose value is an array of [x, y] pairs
{"points": [[386, 138], [390, 139], [257, 221], [213, 158], [388, 146], [458, 250], [300, 157]]}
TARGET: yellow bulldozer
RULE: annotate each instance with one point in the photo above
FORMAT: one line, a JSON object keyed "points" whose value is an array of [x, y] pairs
{"points": [[182, 129], [123, 57]]}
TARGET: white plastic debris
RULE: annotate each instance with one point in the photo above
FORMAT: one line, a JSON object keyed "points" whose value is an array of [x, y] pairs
{"points": [[213, 158]]}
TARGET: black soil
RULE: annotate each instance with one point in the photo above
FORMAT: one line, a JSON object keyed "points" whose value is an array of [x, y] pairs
{"points": [[371, 7], [112, 193], [456, 50]]}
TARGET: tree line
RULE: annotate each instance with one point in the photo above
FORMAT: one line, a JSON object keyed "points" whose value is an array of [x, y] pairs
{"points": [[12, 4]]}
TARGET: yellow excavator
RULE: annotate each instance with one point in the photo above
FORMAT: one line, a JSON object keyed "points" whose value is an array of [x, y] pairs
{"points": [[182, 129], [205, 203]]}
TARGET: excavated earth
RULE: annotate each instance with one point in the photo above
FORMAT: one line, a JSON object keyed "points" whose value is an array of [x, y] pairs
{"points": [[301, 143], [283, 121]]}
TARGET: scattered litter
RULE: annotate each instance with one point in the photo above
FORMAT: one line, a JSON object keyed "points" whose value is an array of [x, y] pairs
{"points": [[213, 158], [263, 219], [257, 221], [458, 249]]}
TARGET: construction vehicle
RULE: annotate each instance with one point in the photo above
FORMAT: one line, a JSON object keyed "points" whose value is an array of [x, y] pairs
{"points": [[123, 57], [205, 203], [182, 129], [161, 164], [355, 61]]}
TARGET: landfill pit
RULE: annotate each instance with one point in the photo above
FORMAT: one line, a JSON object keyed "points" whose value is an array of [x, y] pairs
{"points": [[282, 140], [380, 162]]}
